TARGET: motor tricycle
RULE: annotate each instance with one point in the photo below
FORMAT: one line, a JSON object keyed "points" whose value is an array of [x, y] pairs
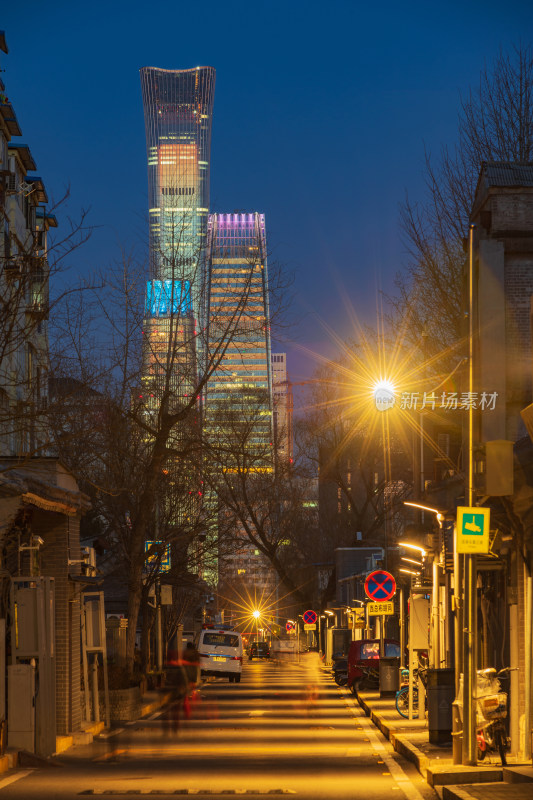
{"points": [[363, 662]]}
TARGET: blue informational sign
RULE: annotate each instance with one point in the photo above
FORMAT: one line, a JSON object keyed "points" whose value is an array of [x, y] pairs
{"points": [[164, 298], [164, 564]]}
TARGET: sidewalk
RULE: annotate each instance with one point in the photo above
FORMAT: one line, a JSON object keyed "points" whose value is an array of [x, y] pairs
{"points": [[488, 781]]}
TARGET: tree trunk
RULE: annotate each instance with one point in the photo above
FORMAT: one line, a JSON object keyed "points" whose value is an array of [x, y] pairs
{"points": [[134, 604]]}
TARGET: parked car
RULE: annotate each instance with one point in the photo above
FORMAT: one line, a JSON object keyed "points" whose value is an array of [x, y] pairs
{"points": [[363, 661], [220, 653], [259, 650]]}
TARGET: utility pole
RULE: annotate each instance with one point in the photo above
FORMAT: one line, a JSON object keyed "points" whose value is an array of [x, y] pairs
{"points": [[470, 559]]}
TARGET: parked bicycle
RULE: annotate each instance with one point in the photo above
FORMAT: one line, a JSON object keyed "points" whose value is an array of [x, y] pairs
{"points": [[402, 696], [491, 713]]}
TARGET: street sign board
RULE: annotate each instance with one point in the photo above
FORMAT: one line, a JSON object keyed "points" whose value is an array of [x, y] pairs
{"points": [[473, 529], [376, 609], [164, 564], [380, 586], [310, 617], [309, 626], [359, 615], [289, 626]]}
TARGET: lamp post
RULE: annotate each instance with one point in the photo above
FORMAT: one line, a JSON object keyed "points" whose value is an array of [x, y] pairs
{"points": [[435, 608], [470, 559]]}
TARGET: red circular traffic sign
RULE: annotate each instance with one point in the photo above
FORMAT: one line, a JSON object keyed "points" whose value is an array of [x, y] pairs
{"points": [[310, 617], [289, 626], [380, 586]]}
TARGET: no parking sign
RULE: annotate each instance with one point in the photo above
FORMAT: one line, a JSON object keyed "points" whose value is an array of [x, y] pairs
{"points": [[380, 586]]}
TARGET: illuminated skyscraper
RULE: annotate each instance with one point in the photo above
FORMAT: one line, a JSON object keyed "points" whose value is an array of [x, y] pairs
{"points": [[238, 311], [239, 393], [178, 106]]}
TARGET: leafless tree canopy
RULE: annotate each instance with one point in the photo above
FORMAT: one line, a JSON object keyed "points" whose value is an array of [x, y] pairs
{"points": [[495, 122]]}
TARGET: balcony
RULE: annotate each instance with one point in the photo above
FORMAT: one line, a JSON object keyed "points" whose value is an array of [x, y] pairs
{"points": [[12, 269], [38, 309]]}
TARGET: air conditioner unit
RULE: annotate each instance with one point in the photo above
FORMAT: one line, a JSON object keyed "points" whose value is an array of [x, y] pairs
{"points": [[11, 184]]}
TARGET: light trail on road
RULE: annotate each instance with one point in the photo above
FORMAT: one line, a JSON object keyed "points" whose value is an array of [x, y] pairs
{"points": [[286, 729]]}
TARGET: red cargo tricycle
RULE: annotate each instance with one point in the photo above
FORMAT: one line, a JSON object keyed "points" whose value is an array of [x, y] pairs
{"points": [[363, 662]]}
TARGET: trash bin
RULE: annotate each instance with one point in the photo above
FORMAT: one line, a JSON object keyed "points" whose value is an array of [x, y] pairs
{"points": [[389, 676], [440, 696]]}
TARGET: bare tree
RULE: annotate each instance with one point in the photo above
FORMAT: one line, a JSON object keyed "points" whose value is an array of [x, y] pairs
{"points": [[495, 122], [143, 354]]}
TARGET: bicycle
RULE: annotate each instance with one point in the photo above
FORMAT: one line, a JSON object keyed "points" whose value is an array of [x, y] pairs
{"points": [[402, 695], [491, 713]]}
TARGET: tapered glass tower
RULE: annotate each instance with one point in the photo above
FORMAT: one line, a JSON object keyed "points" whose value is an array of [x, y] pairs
{"points": [[178, 106]]}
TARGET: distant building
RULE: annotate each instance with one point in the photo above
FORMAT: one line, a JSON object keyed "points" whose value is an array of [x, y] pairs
{"points": [[239, 393], [282, 408], [178, 106]]}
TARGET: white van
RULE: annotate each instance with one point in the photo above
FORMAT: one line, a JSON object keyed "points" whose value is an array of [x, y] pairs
{"points": [[220, 653]]}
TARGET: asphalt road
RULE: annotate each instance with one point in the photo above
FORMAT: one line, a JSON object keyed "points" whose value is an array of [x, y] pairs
{"points": [[284, 730]]}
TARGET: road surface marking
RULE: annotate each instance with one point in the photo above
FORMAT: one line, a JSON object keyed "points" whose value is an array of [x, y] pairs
{"points": [[13, 778], [396, 771]]}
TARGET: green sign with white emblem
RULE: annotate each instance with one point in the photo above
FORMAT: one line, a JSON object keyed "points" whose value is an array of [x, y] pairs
{"points": [[473, 529]]}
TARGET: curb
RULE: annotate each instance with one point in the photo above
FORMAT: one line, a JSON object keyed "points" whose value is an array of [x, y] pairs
{"points": [[163, 699], [399, 741], [9, 761]]}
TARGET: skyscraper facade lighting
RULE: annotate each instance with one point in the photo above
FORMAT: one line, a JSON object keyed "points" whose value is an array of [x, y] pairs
{"points": [[239, 310], [178, 108]]}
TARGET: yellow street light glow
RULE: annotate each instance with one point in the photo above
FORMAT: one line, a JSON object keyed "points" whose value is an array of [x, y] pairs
{"points": [[413, 547], [412, 561], [331, 614], [408, 571], [440, 517], [256, 613]]}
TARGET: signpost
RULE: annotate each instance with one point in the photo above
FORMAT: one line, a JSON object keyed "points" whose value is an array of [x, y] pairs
{"points": [[473, 529], [289, 627], [164, 564], [376, 609], [380, 586], [310, 617], [358, 619]]}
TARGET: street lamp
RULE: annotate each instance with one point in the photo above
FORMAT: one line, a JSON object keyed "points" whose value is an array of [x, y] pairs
{"points": [[435, 610], [412, 561], [413, 547]]}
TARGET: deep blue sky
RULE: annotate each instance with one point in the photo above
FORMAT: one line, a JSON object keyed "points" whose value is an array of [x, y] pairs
{"points": [[322, 111]]}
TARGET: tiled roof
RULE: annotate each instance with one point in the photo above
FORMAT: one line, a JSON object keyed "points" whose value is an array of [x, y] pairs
{"points": [[507, 173]]}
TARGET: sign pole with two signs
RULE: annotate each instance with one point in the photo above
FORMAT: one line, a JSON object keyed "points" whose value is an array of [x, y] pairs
{"points": [[380, 588]]}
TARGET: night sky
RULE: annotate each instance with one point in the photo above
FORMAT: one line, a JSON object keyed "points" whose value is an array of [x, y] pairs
{"points": [[322, 112]]}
